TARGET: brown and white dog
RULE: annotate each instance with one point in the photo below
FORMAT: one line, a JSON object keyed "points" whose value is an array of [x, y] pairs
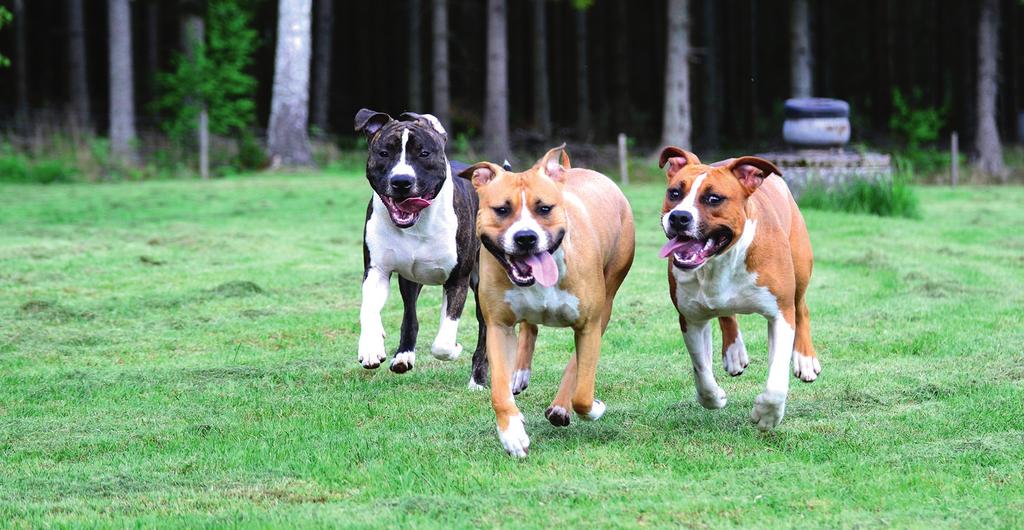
{"points": [[738, 244], [559, 243]]}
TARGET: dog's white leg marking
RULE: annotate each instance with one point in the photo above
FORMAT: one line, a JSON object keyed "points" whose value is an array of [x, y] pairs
{"points": [[770, 406], [514, 438], [805, 367], [407, 358], [596, 411], [520, 380], [371, 329], [698, 343], [735, 358], [445, 346]]}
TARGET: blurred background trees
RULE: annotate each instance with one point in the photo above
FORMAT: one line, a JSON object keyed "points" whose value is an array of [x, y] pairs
{"points": [[505, 76]]}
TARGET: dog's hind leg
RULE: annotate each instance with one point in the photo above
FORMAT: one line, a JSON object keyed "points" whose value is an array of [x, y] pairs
{"points": [[405, 356], [734, 352], [806, 365], [478, 373], [446, 346], [524, 357]]}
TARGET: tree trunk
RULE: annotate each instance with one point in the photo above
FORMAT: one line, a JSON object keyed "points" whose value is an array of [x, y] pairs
{"points": [[986, 139], [193, 32], [582, 83], [712, 79], [78, 68], [442, 98], [21, 111], [800, 57], [122, 86], [620, 55], [496, 142], [322, 63], [541, 94], [287, 135], [152, 12], [676, 125], [415, 61]]}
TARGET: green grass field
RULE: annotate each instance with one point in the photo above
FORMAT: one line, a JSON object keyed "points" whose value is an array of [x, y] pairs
{"points": [[144, 382]]}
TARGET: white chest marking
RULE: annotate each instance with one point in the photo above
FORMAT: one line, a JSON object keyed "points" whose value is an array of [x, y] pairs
{"points": [[723, 285], [548, 306], [425, 252], [687, 205]]}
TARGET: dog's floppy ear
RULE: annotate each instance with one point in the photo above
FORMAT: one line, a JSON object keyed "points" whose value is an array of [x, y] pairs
{"points": [[676, 158], [430, 119], [481, 173], [751, 171], [369, 121], [554, 163]]}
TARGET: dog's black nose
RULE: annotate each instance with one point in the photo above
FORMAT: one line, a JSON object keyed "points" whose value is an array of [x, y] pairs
{"points": [[402, 183], [680, 220], [525, 239]]}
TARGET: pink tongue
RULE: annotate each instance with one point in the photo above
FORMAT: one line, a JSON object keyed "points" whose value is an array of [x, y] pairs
{"points": [[413, 205], [544, 269], [675, 244]]}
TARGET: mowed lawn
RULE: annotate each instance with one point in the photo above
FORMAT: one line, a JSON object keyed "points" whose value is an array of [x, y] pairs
{"points": [[184, 354]]}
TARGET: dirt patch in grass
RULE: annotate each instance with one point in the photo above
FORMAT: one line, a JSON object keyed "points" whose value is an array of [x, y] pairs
{"points": [[235, 288], [52, 311]]}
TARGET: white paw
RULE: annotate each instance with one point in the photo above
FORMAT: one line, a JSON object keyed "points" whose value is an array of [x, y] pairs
{"points": [[520, 380], [596, 411], [446, 352], [735, 359], [713, 398], [371, 350], [805, 367], [403, 362], [769, 408], [473, 385], [514, 438]]}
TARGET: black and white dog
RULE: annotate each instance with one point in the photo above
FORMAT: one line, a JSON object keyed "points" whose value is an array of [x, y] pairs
{"points": [[421, 224]]}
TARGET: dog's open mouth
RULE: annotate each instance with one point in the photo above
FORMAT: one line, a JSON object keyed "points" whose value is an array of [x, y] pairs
{"points": [[526, 269], [406, 212], [690, 253]]}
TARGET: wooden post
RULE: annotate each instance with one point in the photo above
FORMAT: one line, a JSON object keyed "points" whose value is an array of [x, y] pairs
{"points": [[954, 156], [623, 160]]}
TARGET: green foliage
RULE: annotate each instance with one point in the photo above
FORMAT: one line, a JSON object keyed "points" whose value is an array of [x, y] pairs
{"points": [[877, 197], [5, 18], [20, 168], [217, 77], [916, 126]]}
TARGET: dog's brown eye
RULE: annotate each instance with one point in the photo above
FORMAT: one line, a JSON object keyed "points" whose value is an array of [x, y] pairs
{"points": [[382, 154], [674, 194], [502, 211], [424, 154], [544, 209], [713, 200]]}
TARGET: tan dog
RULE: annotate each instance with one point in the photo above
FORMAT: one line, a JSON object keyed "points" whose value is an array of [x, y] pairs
{"points": [[559, 243], [738, 244]]}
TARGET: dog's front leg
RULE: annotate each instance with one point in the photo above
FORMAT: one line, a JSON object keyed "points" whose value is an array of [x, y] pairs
{"points": [[588, 350], [501, 350], [698, 342], [371, 329], [446, 346], [770, 406], [405, 356]]}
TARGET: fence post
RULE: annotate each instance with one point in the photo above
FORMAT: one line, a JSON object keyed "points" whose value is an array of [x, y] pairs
{"points": [[954, 159], [623, 160]]}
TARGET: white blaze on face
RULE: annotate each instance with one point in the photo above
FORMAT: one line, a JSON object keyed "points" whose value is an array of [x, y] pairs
{"points": [[525, 221], [402, 167], [688, 204]]}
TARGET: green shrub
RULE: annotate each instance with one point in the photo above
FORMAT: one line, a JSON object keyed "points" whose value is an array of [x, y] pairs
{"points": [[19, 168], [917, 125], [877, 197]]}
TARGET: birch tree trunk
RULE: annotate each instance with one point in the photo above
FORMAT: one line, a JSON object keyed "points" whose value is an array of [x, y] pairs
{"points": [[78, 68], [193, 32], [800, 57], [441, 96], [541, 95], [496, 142], [122, 84], [582, 82], [986, 138], [322, 64], [287, 134], [676, 124], [21, 119], [415, 56]]}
